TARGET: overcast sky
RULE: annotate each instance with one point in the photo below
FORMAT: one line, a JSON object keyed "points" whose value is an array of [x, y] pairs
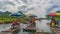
{"points": [[37, 7]]}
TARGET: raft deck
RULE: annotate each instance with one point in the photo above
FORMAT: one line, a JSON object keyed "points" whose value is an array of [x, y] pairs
{"points": [[30, 28], [11, 30], [42, 33], [57, 31]]}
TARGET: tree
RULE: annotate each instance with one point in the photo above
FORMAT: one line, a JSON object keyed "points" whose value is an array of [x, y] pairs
{"points": [[4, 14], [58, 11]]}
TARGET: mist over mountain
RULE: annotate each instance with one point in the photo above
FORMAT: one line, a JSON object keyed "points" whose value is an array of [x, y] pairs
{"points": [[37, 7]]}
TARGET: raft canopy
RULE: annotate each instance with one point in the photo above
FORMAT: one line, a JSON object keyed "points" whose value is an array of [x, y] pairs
{"points": [[54, 14], [57, 14]]}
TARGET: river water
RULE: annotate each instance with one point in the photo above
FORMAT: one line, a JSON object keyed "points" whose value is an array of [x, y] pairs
{"points": [[40, 25], [4, 27]]}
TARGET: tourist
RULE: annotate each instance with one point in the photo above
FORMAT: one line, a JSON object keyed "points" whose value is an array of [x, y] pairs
{"points": [[14, 24], [32, 22], [53, 22]]}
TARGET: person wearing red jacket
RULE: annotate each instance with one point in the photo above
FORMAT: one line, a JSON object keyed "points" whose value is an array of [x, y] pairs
{"points": [[13, 24]]}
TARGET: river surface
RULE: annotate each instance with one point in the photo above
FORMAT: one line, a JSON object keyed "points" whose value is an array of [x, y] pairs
{"points": [[4, 27], [40, 25]]}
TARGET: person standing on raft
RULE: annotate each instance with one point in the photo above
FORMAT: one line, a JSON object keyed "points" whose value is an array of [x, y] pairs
{"points": [[32, 22]]}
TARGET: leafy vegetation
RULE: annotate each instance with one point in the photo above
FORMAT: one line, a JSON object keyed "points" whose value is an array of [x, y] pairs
{"points": [[4, 17]]}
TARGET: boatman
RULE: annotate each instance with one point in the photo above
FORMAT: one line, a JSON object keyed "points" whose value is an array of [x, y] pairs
{"points": [[53, 23], [13, 24], [32, 22]]}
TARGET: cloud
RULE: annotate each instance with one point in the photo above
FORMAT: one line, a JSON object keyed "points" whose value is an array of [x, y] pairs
{"points": [[11, 5], [42, 7], [1, 0], [25, 1], [37, 7], [8, 2], [1, 5]]}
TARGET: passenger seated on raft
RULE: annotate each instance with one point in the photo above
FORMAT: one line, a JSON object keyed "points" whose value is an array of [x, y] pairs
{"points": [[14, 24], [32, 22], [53, 22]]}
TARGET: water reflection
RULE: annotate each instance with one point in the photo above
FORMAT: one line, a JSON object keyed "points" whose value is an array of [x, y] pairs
{"points": [[4, 27], [42, 26]]}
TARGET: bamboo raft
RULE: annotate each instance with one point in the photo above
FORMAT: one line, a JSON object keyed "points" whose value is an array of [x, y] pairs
{"points": [[57, 31], [42, 33], [1, 22], [11, 30], [30, 28]]}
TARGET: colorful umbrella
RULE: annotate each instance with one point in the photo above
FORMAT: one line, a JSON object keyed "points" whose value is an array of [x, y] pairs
{"points": [[52, 14], [57, 14], [15, 14]]}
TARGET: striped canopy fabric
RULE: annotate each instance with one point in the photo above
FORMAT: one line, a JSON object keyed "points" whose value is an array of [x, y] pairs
{"points": [[52, 14]]}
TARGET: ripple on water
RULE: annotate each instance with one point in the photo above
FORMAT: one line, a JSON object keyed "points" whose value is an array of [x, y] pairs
{"points": [[4, 27]]}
